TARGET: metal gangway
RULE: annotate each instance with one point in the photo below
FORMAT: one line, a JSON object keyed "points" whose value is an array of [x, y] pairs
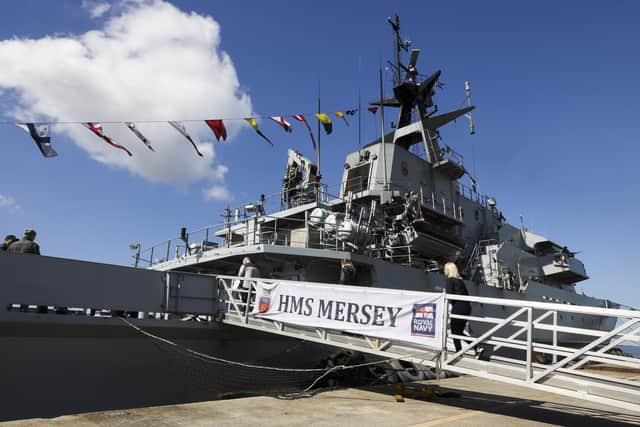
{"points": [[526, 344]]}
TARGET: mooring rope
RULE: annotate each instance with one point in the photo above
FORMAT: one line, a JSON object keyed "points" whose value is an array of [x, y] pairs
{"points": [[325, 371]]}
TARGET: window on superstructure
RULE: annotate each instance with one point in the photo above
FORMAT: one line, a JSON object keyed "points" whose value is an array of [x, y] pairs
{"points": [[357, 179]]}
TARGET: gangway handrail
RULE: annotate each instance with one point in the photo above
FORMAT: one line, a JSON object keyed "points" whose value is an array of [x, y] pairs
{"points": [[572, 308], [566, 374]]}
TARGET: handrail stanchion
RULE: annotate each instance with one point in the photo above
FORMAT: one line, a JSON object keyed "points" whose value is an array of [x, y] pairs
{"points": [[445, 328], [246, 307], [555, 335], [529, 371], [168, 248], [151, 257]]}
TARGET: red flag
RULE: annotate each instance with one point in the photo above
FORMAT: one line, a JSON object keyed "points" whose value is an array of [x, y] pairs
{"points": [[373, 109], [218, 129], [282, 122], [300, 118], [96, 128]]}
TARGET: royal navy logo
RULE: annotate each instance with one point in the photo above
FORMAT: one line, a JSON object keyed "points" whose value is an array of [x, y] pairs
{"points": [[265, 301], [423, 320]]}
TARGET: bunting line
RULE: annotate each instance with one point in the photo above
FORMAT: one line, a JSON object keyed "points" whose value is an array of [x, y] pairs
{"points": [[41, 134]]}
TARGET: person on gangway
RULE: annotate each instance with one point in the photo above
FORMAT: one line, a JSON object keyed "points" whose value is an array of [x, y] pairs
{"points": [[247, 270], [455, 285]]}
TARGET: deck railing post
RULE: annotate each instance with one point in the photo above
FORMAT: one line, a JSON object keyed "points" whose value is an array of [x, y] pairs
{"points": [[445, 328], [246, 307], [151, 257], [529, 372], [555, 335]]}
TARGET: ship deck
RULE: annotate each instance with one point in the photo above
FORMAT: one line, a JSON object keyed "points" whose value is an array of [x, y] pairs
{"points": [[478, 402]]}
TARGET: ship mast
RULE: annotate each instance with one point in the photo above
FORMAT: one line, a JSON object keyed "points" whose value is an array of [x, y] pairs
{"points": [[398, 44]]}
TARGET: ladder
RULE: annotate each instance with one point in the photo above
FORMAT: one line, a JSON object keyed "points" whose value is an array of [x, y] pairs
{"points": [[529, 331]]}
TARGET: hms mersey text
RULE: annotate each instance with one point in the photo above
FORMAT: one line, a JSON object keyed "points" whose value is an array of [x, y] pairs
{"points": [[342, 311]]}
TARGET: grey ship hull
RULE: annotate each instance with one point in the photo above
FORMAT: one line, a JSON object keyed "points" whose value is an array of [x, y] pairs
{"points": [[54, 365]]}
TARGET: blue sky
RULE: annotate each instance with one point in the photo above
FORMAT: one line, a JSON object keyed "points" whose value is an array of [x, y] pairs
{"points": [[555, 88]]}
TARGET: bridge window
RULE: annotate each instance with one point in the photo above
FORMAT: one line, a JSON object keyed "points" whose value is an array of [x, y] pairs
{"points": [[357, 179]]}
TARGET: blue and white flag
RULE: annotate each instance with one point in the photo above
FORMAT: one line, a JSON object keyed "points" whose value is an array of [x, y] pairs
{"points": [[41, 135]]}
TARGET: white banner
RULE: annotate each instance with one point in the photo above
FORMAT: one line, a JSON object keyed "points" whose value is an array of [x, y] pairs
{"points": [[410, 316]]}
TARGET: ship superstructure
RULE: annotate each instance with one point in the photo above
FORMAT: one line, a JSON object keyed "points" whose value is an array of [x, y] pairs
{"points": [[401, 212]]}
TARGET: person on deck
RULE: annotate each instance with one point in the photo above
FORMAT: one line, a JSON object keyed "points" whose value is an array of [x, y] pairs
{"points": [[455, 285], [8, 240], [348, 273], [26, 245], [247, 269]]}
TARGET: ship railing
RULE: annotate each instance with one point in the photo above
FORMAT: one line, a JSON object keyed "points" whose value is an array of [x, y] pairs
{"points": [[205, 239], [440, 204], [270, 230], [297, 196], [453, 156], [472, 194], [398, 254]]}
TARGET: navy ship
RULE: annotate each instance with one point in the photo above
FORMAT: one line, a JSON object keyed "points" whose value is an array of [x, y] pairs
{"points": [[405, 206]]}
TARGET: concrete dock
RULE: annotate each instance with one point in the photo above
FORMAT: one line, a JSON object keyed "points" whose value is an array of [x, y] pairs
{"points": [[470, 402]]}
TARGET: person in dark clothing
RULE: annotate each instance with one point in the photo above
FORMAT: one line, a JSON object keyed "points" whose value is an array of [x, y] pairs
{"points": [[26, 245], [347, 273], [8, 241], [455, 285]]}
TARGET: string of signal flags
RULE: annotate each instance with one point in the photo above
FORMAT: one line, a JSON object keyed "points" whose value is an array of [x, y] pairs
{"points": [[41, 133]]}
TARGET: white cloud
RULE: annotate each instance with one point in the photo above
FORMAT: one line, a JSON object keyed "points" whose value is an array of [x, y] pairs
{"points": [[216, 192], [152, 62], [7, 201], [96, 8]]}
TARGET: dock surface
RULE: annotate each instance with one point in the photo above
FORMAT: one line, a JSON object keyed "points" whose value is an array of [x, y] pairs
{"points": [[471, 402]]}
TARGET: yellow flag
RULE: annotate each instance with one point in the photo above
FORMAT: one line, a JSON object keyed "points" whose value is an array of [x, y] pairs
{"points": [[252, 122], [326, 122], [254, 125], [340, 115]]}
